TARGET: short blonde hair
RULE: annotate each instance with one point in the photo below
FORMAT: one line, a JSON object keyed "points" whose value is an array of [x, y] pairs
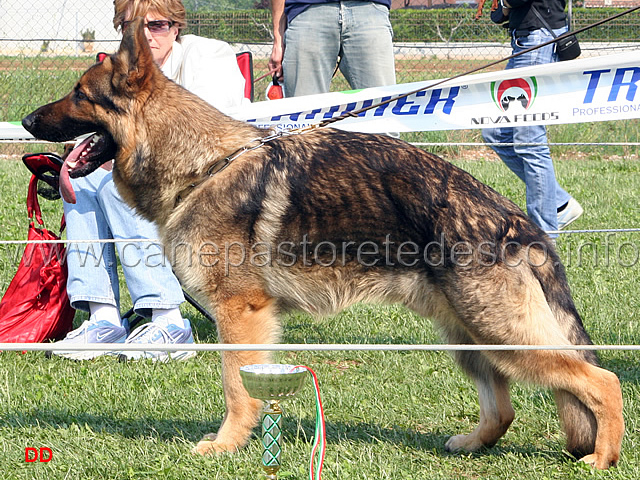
{"points": [[171, 9]]}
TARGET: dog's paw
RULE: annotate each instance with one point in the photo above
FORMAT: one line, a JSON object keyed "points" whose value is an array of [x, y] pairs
{"points": [[598, 461], [468, 443], [209, 445]]}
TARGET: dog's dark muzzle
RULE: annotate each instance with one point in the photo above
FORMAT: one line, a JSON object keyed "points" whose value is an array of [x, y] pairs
{"points": [[38, 126], [29, 121], [47, 123]]}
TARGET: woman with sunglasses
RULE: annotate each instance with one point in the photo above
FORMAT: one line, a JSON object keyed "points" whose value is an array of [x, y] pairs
{"points": [[207, 68]]}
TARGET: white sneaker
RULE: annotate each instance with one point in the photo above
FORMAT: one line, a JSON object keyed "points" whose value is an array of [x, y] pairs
{"points": [[91, 331], [158, 334], [569, 214]]}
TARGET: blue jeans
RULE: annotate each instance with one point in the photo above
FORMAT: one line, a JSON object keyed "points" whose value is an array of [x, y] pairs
{"points": [[532, 164], [358, 32], [100, 213]]}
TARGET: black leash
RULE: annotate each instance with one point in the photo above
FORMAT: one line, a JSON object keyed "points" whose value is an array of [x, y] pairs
{"points": [[355, 113]]}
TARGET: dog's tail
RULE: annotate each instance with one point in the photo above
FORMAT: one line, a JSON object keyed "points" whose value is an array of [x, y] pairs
{"points": [[578, 421]]}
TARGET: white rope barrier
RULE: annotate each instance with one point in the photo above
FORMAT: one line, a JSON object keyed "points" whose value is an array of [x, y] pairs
{"points": [[442, 144], [295, 347], [597, 230], [100, 240], [158, 241], [511, 144]]}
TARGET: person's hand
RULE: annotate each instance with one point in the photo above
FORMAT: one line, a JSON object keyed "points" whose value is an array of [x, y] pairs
{"points": [[275, 61]]}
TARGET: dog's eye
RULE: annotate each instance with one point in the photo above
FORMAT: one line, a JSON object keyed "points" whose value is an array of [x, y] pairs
{"points": [[80, 95]]}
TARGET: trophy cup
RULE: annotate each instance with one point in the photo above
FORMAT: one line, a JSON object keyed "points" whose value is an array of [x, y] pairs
{"points": [[272, 383]]}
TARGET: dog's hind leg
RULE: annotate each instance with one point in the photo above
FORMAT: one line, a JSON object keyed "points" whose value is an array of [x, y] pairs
{"points": [[594, 388], [249, 319], [518, 314], [496, 411]]}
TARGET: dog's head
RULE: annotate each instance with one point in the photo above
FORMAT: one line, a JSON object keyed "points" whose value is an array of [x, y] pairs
{"points": [[101, 102]]}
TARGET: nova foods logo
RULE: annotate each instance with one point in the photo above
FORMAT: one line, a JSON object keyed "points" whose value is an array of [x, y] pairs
{"points": [[515, 94], [514, 98]]}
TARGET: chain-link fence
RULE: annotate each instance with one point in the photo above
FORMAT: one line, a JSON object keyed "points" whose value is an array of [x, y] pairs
{"points": [[46, 44]]}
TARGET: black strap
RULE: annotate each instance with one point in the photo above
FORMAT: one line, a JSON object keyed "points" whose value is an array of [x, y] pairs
{"points": [[544, 22]]}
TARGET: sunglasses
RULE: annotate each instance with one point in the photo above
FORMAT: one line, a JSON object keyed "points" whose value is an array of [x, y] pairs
{"points": [[154, 26]]}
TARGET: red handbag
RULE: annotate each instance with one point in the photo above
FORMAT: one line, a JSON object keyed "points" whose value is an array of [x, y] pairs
{"points": [[35, 307]]}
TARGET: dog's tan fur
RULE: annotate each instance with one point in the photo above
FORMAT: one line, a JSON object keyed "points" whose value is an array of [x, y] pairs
{"points": [[352, 190]]}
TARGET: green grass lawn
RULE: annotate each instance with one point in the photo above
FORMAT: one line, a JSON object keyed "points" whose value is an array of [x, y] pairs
{"points": [[388, 414]]}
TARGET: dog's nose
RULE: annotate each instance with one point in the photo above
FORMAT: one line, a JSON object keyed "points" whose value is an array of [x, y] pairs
{"points": [[28, 121]]}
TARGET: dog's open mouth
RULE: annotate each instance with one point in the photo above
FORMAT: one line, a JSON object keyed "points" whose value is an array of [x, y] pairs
{"points": [[92, 152]]}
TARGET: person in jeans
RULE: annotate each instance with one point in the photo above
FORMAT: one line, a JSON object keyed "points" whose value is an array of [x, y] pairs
{"points": [[548, 204], [310, 37], [207, 68]]}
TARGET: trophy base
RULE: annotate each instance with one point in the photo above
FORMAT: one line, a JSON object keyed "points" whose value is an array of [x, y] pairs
{"points": [[270, 473]]}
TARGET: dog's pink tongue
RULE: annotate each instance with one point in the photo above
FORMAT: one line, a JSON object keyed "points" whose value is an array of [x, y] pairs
{"points": [[66, 189]]}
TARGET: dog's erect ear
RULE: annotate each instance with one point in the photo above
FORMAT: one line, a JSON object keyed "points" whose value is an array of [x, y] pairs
{"points": [[133, 64]]}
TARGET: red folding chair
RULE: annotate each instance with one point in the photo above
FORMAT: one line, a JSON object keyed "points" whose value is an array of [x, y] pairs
{"points": [[245, 62]]}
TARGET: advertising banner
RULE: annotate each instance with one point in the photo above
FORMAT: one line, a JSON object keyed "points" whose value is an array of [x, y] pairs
{"points": [[587, 90]]}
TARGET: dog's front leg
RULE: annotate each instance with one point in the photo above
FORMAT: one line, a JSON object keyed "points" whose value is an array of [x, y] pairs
{"points": [[242, 411], [246, 319]]}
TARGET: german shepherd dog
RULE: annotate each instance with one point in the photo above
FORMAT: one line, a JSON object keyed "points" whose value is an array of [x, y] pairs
{"points": [[321, 220]]}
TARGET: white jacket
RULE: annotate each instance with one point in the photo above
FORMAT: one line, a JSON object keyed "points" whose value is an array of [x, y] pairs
{"points": [[208, 68]]}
